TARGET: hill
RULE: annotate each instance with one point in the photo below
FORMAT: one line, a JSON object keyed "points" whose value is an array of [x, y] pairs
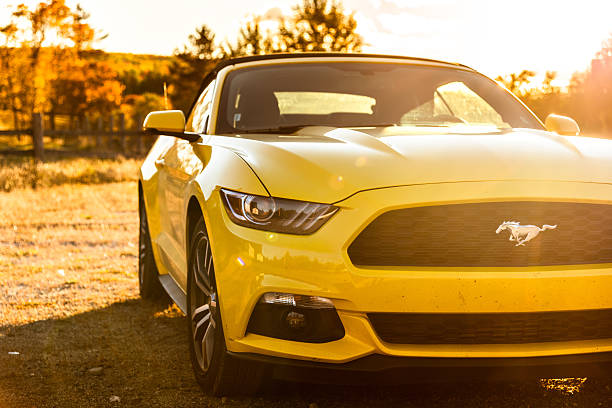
{"points": [[140, 73]]}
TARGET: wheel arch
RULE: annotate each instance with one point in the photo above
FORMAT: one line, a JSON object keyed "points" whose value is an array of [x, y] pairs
{"points": [[194, 213], [223, 168]]}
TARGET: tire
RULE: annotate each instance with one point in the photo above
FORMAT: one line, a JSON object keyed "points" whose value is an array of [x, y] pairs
{"points": [[148, 277], [217, 373]]}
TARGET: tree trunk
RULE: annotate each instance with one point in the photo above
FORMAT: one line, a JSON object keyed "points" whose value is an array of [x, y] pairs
{"points": [[99, 130], [122, 133]]}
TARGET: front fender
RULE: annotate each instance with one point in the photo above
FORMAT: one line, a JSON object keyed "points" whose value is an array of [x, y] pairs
{"points": [[221, 168]]}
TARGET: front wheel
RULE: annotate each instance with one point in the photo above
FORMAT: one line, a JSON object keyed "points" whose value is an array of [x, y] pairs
{"points": [[148, 276], [217, 373]]}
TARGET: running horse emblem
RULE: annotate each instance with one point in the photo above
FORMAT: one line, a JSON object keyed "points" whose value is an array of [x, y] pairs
{"points": [[522, 233]]}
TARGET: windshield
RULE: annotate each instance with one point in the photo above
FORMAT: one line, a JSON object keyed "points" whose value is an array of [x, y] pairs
{"points": [[361, 94]]}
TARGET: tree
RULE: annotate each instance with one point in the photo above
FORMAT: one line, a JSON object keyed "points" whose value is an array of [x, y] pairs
{"points": [[594, 91], [201, 45], [42, 65], [136, 107], [46, 20], [588, 98], [516, 82], [316, 25], [102, 94], [251, 41], [12, 73], [191, 65], [320, 25], [80, 32], [547, 98], [547, 84]]}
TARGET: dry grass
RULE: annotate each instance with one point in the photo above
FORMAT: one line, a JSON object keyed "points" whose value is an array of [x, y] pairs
{"points": [[62, 247], [69, 303], [24, 172]]}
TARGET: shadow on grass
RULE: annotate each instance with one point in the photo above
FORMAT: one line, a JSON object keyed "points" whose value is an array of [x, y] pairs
{"points": [[140, 347], [138, 351]]}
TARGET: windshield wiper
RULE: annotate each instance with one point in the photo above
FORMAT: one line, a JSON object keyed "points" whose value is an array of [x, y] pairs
{"points": [[294, 128], [280, 129]]}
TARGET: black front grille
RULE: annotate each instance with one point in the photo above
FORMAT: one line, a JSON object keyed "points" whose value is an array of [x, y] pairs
{"points": [[464, 235], [492, 328]]}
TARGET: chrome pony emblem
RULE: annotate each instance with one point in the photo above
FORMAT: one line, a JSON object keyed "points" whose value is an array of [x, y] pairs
{"points": [[522, 233]]}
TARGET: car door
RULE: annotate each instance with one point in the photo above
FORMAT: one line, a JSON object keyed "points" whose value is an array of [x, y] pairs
{"points": [[181, 165]]}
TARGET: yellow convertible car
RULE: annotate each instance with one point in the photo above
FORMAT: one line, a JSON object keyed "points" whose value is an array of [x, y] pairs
{"points": [[321, 214]]}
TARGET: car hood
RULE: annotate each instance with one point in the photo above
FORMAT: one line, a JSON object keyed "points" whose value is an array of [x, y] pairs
{"points": [[326, 164]]}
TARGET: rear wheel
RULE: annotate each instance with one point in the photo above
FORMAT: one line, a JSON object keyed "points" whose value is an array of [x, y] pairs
{"points": [[148, 276], [217, 373]]}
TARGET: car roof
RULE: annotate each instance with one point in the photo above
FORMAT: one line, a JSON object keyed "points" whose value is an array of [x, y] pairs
{"points": [[265, 57], [295, 55]]}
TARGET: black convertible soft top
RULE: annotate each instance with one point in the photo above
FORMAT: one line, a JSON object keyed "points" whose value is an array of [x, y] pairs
{"points": [[233, 61]]}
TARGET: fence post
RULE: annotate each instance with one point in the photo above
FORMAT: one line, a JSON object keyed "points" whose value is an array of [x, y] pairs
{"points": [[122, 133], [111, 129], [86, 128], [100, 128], [37, 136], [78, 128], [139, 135]]}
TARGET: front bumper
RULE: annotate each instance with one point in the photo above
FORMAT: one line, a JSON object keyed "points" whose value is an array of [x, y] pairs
{"points": [[398, 370], [254, 262]]}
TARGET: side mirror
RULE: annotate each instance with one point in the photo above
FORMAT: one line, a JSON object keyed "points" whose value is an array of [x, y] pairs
{"points": [[562, 125], [170, 123]]}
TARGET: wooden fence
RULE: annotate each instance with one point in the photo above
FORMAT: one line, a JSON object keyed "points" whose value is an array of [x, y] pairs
{"points": [[110, 135]]}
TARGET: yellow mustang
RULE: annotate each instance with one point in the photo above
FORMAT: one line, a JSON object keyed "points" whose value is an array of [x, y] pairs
{"points": [[362, 213]]}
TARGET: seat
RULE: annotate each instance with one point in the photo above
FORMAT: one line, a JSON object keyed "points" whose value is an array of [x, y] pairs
{"points": [[257, 110]]}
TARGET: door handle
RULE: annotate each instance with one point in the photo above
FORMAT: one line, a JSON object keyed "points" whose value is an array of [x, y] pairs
{"points": [[160, 163]]}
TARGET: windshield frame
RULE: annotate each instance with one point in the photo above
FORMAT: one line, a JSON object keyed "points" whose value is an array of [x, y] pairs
{"points": [[224, 80]]}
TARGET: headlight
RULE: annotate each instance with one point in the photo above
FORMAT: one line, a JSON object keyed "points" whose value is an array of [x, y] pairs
{"points": [[276, 214]]}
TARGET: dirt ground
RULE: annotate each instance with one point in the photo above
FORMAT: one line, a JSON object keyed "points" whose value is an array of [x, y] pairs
{"points": [[74, 333]]}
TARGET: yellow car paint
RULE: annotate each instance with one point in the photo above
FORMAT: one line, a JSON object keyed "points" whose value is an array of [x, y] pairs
{"points": [[168, 121], [366, 176], [318, 265]]}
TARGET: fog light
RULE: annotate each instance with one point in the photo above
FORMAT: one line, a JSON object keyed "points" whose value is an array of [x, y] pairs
{"points": [[311, 319], [296, 320]]}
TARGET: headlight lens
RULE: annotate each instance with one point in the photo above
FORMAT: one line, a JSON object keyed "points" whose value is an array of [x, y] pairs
{"points": [[276, 214]]}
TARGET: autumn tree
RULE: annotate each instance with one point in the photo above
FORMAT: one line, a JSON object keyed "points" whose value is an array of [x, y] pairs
{"points": [[42, 66], [80, 31], [13, 72], [48, 20], [102, 93], [136, 107], [320, 25]]}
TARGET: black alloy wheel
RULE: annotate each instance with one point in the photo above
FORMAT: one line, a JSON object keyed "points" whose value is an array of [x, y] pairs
{"points": [[215, 370], [203, 301]]}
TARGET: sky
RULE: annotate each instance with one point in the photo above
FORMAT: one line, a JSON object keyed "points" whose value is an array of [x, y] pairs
{"points": [[493, 36]]}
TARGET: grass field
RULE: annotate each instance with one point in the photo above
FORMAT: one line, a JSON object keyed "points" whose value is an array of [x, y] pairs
{"points": [[74, 333], [24, 172]]}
